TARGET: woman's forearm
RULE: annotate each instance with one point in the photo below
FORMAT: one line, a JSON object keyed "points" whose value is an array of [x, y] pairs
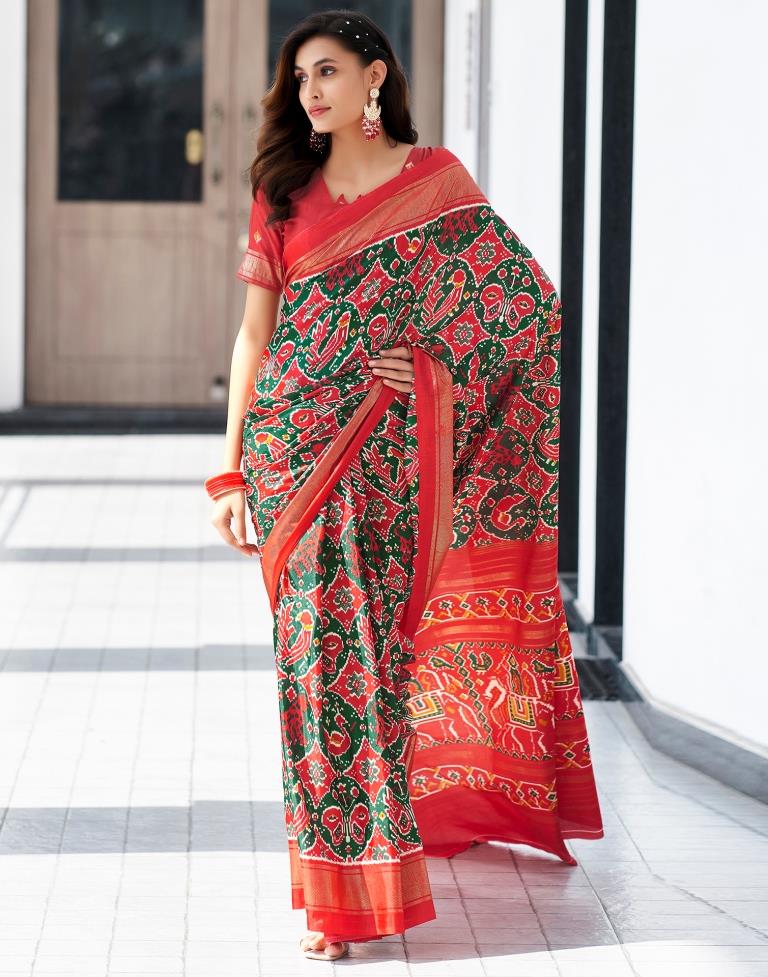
{"points": [[246, 355]]}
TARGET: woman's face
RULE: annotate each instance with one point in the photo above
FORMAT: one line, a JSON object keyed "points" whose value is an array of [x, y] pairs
{"points": [[330, 76]]}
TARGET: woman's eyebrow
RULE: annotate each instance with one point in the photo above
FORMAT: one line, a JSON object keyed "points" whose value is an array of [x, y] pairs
{"points": [[298, 66]]}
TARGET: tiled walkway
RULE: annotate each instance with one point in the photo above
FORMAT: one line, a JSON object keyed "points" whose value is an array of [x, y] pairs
{"points": [[142, 830]]}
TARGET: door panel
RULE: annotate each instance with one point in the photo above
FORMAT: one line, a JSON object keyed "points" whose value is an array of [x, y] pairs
{"points": [[142, 119], [129, 209]]}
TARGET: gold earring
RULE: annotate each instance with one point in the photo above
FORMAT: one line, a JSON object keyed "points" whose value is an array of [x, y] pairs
{"points": [[372, 116]]}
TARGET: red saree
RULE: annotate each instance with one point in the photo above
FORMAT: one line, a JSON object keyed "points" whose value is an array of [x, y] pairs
{"points": [[427, 689]]}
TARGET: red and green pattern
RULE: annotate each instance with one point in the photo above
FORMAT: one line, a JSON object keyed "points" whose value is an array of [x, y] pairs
{"points": [[344, 483]]}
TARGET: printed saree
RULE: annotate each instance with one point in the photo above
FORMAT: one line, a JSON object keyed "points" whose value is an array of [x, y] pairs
{"points": [[427, 690]]}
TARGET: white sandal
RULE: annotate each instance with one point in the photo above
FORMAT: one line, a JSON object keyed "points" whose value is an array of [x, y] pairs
{"points": [[315, 953]]}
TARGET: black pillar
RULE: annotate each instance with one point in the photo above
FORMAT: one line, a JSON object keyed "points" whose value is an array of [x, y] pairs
{"points": [[572, 279], [613, 343]]}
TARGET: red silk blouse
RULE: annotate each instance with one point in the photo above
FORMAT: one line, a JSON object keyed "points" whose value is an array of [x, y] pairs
{"points": [[262, 263]]}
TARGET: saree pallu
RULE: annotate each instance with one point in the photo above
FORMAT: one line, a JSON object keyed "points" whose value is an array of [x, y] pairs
{"points": [[427, 690]]}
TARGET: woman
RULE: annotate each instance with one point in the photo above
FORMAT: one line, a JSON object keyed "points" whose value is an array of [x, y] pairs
{"points": [[400, 466]]}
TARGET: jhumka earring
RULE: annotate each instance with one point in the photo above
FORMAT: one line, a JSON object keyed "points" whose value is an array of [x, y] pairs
{"points": [[372, 116], [318, 140]]}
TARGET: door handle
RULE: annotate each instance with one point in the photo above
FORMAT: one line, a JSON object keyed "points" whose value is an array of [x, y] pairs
{"points": [[216, 116]]}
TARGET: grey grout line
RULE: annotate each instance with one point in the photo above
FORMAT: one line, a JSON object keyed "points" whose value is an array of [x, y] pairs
{"points": [[96, 678], [8, 519], [204, 553], [596, 892], [676, 886], [19, 767], [452, 868], [536, 912], [73, 781], [248, 714], [41, 697], [32, 725], [107, 481], [191, 794], [129, 799]]}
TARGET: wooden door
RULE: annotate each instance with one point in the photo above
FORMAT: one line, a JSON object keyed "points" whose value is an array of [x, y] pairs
{"points": [[141, 117], [141, 128]]}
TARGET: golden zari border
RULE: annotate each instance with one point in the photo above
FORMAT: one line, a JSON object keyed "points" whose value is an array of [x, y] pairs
{"points": [[433, 384], [305, 505], [431, 188], [256, 269], [363, 900]]}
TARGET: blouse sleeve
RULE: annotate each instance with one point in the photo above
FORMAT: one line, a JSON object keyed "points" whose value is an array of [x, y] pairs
{"points": [[262, 263]]}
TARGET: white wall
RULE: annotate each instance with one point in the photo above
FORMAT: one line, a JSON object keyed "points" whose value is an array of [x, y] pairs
{"points": [[585, 602], [13, 93], [697, 516], [461, 79], [526, 123]]}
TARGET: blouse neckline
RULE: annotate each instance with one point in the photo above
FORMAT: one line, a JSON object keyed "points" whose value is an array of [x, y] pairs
{"points": [[342, 200]]}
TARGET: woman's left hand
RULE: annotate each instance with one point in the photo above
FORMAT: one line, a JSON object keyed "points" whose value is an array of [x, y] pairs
{"points": [[395, 367]]}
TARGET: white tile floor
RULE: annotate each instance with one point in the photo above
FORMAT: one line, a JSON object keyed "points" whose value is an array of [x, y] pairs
{"points": [[139, 771]]}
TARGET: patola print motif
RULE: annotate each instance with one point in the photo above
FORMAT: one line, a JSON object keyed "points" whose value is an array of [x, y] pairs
{"points": [[332, 323], [449, 492]]}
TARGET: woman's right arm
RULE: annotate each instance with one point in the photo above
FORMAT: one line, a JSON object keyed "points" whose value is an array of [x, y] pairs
{"points": [[259, 320]]}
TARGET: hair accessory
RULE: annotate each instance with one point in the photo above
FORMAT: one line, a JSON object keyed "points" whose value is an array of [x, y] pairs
{"points": [[372, 117], [362, 36], [225, 482]]}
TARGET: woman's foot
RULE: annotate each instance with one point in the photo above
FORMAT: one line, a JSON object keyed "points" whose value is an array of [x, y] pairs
{"points": [[314, 940], [313, 945]]}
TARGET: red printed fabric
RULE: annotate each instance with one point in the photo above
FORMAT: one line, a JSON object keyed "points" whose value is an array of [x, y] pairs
{"points": [[427, 689], [262, 262]]}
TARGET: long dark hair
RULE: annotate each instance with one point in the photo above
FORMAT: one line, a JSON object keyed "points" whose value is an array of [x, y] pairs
{"points": [[284, 161]]}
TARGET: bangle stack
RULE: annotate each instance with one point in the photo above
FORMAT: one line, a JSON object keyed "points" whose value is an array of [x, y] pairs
{"points": [[218, 485]]}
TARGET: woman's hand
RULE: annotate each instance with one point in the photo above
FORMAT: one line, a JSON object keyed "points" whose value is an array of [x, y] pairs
{"points": [[395, 367], [231, 507]]}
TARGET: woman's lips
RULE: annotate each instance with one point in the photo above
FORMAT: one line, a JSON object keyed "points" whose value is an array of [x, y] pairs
{"points": [[319, 111]]}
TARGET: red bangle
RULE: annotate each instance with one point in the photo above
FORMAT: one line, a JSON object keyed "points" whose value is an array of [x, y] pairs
{"points": [[218, 485]]}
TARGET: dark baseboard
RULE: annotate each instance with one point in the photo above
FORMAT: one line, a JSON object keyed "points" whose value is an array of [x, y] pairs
{"points": [[727, 762], [89, 419], [603, 679]]}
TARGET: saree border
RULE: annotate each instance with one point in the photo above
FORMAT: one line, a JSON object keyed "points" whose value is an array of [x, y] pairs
{"points": [[434, 424], [413, 196], [329, 468], [530, 617], [361, 901], [433, 383]]}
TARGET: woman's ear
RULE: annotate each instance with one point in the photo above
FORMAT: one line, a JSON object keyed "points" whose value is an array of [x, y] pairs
{"points": [[379, 73]]}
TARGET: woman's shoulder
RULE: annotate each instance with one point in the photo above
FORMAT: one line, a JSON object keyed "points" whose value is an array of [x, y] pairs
{"points": [[439, 149], [449, 157], [454, 175], [448, 164], [442, 157], [424, 152]]}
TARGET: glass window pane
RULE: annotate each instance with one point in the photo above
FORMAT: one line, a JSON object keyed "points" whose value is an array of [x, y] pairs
{"points": [[130, 100]]}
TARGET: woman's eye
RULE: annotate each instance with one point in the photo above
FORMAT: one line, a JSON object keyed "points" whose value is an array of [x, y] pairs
{"points": [[301, 78]]}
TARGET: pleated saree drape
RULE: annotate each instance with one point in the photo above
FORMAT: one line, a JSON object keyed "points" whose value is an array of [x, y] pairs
{"points": [[427, 689]]}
